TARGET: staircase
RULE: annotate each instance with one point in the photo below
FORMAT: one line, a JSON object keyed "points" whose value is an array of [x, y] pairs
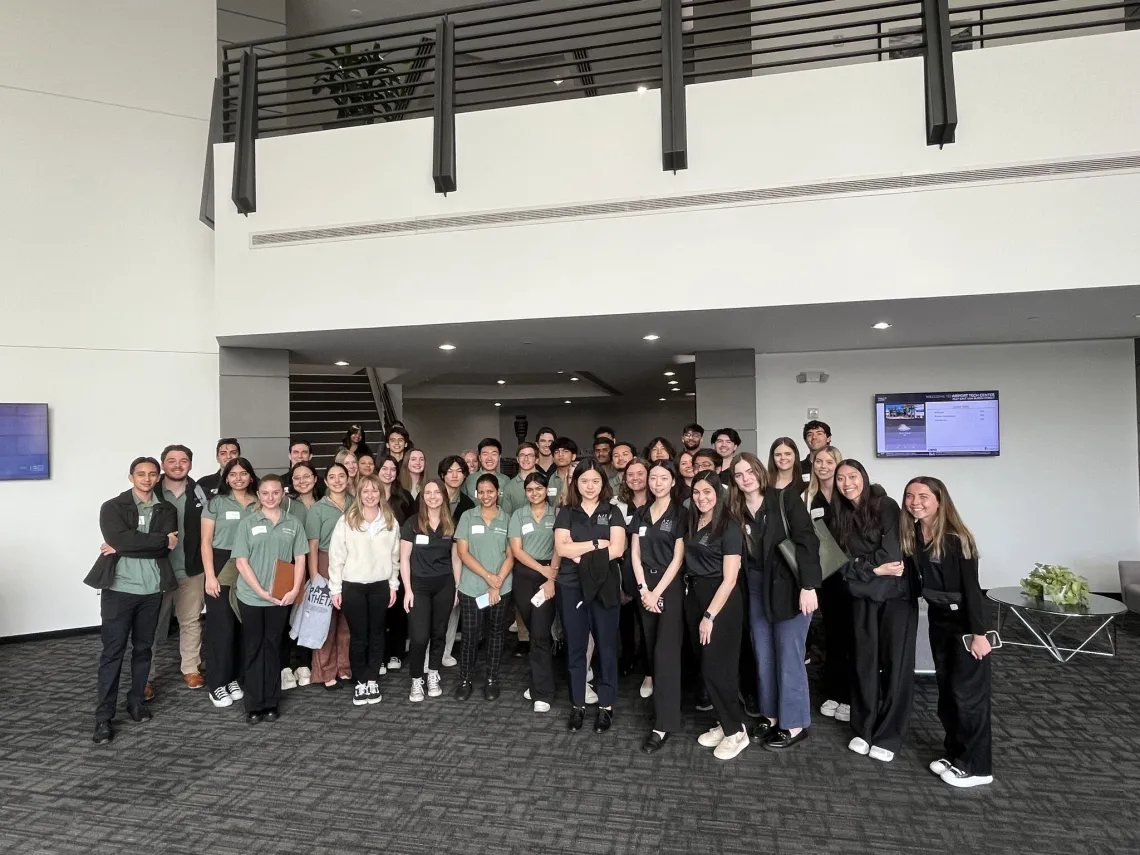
{"points": [[322, 406]]}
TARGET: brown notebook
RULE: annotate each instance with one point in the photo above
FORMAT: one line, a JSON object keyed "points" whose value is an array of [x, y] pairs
{"points": [[283, 576]]}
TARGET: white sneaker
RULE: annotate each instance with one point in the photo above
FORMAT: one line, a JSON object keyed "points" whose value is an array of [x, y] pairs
{"points": [[394, 664], [526, 694], [374, 696], [288, 680], [955, 777], [730, 746], [843, 712], [940, 766], [220, 697], [449, 661], [859, 745], [591, 695], [711, 738], [360, 695], [304, 676], [417, 693], [883, 754], [234, 691], [589, 675], [541, 706], [433, 688], [647, 687], [514, 627], [383, 670], [828, 708]]}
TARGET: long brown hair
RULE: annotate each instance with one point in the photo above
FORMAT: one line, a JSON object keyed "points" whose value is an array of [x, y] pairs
{"points": [[423, 519], [624, 494], [738, 502], [354, 516], [946, 522], [797, 482]]}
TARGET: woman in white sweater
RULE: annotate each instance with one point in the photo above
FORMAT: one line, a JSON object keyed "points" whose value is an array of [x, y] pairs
{"points": [[364, 575]]}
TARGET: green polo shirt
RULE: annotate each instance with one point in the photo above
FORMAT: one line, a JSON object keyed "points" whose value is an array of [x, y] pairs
{"points": [[472, 480], [263, 544], [514, 495], [296, 508], [321, 520], [178, 553], [488, 545], [226, 513], [138, 575], [615, 480], [555, 488], [537, 537]]}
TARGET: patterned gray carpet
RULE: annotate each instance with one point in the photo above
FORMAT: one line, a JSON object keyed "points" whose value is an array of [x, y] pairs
{"points": [[444, 776]]}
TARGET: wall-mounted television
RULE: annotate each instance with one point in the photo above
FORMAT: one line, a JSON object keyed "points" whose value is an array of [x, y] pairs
{"points": [[937, 424], [24, 448]]}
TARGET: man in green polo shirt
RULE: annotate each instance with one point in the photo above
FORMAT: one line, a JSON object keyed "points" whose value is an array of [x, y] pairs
{"points": [[514, 493], [490, 450], [565, 452]]}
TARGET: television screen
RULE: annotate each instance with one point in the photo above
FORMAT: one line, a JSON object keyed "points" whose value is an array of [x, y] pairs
{"points": [[937, 424], [24, 442]]}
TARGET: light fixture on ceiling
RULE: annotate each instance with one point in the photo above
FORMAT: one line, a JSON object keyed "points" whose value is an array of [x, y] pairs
{"points": [[447, 347], [356, 13], [881, 325], [573, 379], [341, 363], [561, 372], [670, 373], [662, 399], [566, 401], [501, 382], [642, 88], [672, 382], [497, 404], [674, 388], [812, 377], [557, 81], [651, 337], [690, 394]]}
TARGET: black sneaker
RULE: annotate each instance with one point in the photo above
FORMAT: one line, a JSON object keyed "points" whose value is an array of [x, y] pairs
{"points": [[271, 714], [360, 695], [603, 720], [751, 706], [704, 702], [102, 734], [491, 690], [577, 717], [521, 649], [463, 690], [139, 712]]}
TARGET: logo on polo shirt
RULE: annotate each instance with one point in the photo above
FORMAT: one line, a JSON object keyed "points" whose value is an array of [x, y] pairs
{"points": [[666, 525], [704, 541], [603, 519]]}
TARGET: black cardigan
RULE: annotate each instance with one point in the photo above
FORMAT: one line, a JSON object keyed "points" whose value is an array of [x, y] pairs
{"points": [[782, 585], [859, 571], [118, 523], [191, 535], [952, 581]]}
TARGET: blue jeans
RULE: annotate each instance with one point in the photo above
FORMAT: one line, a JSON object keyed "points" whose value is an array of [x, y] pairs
{"points": [[780, 669], [579, 621]]}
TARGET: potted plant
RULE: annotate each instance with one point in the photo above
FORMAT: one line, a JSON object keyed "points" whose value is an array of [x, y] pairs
{"points": [[1058, 585], [362, 85]]}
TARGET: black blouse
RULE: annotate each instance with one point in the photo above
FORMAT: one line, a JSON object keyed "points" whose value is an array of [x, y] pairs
{"points": [[657, 540], [584, 528], [705, 550], [431, 552]]}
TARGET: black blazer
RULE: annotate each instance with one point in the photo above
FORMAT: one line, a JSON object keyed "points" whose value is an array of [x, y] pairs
{"points": [[118, 523], [866, 554], [951, 581], [191, 535], [782, 585]]}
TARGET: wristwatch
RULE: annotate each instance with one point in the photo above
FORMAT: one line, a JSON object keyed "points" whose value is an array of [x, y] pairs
{"points": [[640, 586], [596, 543], [710, 617]]}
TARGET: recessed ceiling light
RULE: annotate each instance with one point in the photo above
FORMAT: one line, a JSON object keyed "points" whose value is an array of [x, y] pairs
{"points": [[497, 404], [881, 325], [642, 88], [651, 337], [566, 402], [675, 389], [561, 372], [574, 379], [690, 394], [672, 382], [501, 382], [670, 373], [447, 347], [662, 399], [1136, 316], [557, 81], [341, 363]]}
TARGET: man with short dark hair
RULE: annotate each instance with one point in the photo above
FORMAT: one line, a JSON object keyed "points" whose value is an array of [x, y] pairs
{"points": [[691, 436], [490, 450], [726, 441], [606, 431], [226, 450], [178, 488], [300, 451], [565, 454], [620, 456], [397, 441], [817, 437], [603, 453], [132, 572], [706, 460], [543, 439]]}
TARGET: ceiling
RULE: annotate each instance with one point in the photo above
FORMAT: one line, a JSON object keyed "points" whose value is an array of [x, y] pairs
{"points": [[530, 354]]}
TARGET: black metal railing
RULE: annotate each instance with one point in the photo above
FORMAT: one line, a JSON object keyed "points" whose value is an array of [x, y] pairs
{"points": [[512, 52]]}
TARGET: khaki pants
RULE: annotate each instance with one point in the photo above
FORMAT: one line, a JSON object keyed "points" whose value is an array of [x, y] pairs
{"points": [[520, 624], [186, 603]]}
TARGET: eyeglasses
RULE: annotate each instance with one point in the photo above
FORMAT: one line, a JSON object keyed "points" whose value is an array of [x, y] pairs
{"points": [[691, 433]]}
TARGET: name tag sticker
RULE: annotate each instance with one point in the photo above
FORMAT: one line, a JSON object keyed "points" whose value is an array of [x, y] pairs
{"points": [[258, 529], [421, 539], [817, 513], [142, 520], [527, 528], [552, 491], [477, 529], [641, 531], [233, 515], [748, 529]]}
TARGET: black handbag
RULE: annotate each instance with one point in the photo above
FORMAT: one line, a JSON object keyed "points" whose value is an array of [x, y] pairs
{"points": [[787, 546]]}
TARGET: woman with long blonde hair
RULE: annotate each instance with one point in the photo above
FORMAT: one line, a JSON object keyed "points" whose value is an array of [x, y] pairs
{"points": [[941, 550]]}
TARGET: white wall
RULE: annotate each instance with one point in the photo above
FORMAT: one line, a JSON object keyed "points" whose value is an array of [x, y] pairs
{"points": [[1047, 101], [1065, 489], [107, 273]]}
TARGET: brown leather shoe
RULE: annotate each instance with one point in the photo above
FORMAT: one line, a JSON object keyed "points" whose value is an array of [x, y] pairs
{"points": [[148, 693], [193, 680]]}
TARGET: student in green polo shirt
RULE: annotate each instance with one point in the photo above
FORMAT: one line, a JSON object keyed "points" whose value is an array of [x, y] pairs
{"points": [[490, 450], [266, 536], [565, 453], [301, 493], [221, 517], [514, 492], [332, 660], [484, 585], [531, 533]]}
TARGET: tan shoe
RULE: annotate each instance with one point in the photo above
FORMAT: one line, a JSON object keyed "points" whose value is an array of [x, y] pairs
{"points": [[148, 692], [193, 680]]}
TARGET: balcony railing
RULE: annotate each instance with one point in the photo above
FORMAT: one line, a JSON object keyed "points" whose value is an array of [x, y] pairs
{"points": [[514, 52]]}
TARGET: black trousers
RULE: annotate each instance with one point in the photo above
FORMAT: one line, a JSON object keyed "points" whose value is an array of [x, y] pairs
{"points": [[539, 621], [963, 694], [747, 670], [720, 658], [427, 621], [663, 638], [221, 641], [884, 670], [365, 608], [472, 620], [580, 620], [261, 628], [124, 617], [838, 639], [396, 630]]}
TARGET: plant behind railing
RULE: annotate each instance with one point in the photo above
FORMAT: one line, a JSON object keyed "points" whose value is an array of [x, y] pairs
{"points": [[362, 85]]}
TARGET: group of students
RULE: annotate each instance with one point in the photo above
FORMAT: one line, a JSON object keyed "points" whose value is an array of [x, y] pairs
{"points": [[631, 559]]}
